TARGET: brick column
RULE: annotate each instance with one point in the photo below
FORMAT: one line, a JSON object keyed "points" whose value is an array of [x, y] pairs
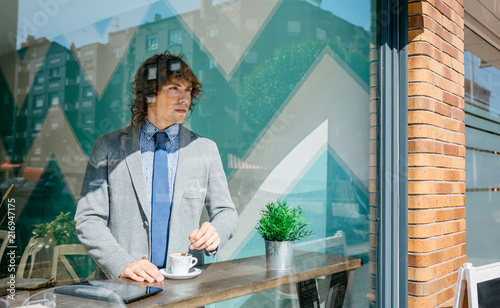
{"points": [[436, 151]]}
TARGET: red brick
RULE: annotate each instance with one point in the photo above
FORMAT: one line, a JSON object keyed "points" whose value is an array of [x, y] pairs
{"points": [[451, 124], [445, 10], [425, 146], [419, 217], [420, 21], [425, 245], [444, 241], [415, 160], [451, 227], [422, 188], [421, 274], [425, 202], [420, 48], [422, 302], [426, 62], [445, 268], [444, 161], [451, 175], [443, 33], [450, 50], [430, 174], [424, 117], [452, 252], [425, 231], [459, 262], [443, 135], [425, 260], [459, 213], [445, 295], [454, 201], [450, 279], [451, 149], [444, 188], [421, 131], [427, 288], [444, 215], [458, 114], [421, 103], [443, 109]]}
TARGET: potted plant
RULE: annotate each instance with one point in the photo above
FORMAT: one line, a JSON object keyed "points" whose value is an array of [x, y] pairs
{"points": [[280, 225], [62, 230]]}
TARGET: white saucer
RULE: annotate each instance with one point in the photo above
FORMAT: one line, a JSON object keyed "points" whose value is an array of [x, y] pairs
{"points": [[193, 272]]}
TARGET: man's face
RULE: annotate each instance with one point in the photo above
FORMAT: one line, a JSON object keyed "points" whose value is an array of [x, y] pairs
{"points": [[172, 103]]}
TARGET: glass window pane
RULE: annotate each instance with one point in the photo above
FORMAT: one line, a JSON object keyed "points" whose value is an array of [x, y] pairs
{"points": [[288, 97], [175, 36], [482, 160], [152, 42]]}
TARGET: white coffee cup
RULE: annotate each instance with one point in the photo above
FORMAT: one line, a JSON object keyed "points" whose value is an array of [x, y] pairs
{"points": [[180, 263]]}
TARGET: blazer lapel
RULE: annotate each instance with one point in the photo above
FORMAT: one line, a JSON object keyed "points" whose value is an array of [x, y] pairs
{"points": [[132, 152]]}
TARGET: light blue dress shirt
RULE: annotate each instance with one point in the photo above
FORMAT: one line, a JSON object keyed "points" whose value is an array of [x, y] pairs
{"points": [[147, 144]]}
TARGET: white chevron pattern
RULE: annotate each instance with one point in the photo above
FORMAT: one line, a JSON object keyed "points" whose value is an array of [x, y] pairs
{"points": [[56, 137], [226, 31], [329, 107], [107, 62]]}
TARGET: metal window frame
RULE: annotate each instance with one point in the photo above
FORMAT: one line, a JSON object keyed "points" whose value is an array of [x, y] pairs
{"points": [[392, 236]]}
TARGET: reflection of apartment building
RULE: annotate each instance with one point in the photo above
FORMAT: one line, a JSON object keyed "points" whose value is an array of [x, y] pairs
{"points": [[295, 21], [46, 77], [151, 38], [160, 35], [90, 57], [54, 77], [122, 78], [477, 93]]}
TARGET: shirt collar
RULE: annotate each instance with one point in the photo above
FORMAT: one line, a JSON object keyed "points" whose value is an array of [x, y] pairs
{"points": [[149, 130]]}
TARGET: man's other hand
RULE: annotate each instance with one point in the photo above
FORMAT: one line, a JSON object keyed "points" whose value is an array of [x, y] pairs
{"points": [[142, 270], [204, 237]]}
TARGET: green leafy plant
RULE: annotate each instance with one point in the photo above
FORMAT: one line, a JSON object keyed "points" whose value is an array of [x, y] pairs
{"points": [[281, 222], [62, 229], [40, 230]]}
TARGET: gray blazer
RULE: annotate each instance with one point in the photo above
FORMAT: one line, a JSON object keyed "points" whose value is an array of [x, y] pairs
{"points": [[113, 215]]}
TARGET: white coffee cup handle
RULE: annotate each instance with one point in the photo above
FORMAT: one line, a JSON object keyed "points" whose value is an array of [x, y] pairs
{"points": [[194, 260]]}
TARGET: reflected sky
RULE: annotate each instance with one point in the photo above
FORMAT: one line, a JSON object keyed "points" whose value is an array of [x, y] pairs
{"points": [[93, 19], [60, 17], [344, 9]]}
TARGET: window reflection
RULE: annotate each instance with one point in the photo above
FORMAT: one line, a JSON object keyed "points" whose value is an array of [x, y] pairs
{"points": [[482, 120], [281, 78]]}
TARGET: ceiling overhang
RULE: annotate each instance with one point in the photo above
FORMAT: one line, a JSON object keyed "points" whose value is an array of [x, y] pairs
{"points": [[482, 30]]}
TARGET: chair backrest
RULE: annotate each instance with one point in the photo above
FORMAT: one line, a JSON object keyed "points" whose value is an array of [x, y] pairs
{"points": [[60, 252], [31, 250], [335, 244]]}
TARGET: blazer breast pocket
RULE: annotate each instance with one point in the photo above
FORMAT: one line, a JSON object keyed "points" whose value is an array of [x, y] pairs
{"points": [[194, 190]]}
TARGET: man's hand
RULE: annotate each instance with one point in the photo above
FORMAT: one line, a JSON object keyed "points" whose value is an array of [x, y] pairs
{"points": [[142, 270], [204, 237]]}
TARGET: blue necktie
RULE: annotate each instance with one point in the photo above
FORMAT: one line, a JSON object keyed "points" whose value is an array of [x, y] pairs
{"points": [[160, 203]]}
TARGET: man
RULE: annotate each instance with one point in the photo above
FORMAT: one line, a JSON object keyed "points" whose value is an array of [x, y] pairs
{"points": [[146, 184]]}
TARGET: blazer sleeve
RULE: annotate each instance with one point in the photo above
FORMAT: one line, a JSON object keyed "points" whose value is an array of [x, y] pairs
{"points": [[92, 215], [220, 207]]}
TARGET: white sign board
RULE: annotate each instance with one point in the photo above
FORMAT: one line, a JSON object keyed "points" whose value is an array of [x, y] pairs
{"points": [[478, 287]]}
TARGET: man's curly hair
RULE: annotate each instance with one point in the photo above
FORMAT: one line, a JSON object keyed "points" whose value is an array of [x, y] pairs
{"points": [[141, 86]]}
